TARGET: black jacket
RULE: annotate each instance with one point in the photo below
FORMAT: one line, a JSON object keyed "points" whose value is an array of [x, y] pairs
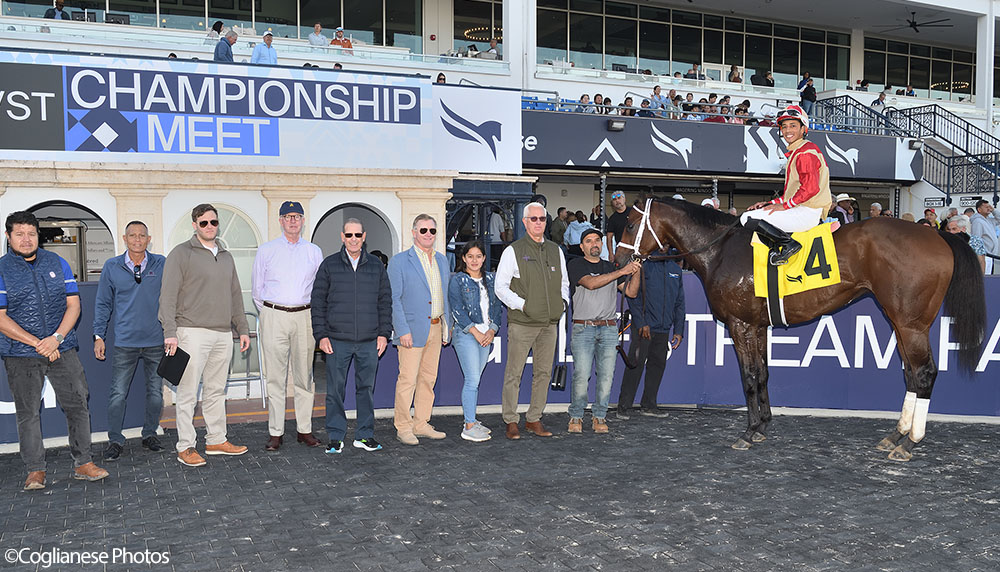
{"points": [[349, 305]]}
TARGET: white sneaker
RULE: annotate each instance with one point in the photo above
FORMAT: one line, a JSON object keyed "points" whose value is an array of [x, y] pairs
{"points": [[476, 433]]}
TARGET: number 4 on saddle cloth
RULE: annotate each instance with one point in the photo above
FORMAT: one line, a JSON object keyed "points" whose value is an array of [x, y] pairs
{"points": [[812, 267]]}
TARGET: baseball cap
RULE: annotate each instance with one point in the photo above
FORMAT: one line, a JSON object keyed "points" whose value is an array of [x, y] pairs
{"points": [[290, 207], [679, 197], [268, 33], [338, 29], [708, 203], [589, 232]]}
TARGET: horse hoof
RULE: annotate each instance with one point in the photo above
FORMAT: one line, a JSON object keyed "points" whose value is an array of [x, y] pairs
{"points": [[886, 444], [741, 444], [900, 454], [758, 437]]}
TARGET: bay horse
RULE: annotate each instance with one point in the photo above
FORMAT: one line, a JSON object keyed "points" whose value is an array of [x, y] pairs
{"points": [[909, 268]]}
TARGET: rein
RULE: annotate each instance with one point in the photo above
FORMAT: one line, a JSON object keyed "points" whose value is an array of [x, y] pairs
{"points": [[645, 223]]}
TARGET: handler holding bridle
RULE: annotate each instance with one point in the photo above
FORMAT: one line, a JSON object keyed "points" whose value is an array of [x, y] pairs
{"points": [[807, 197]]}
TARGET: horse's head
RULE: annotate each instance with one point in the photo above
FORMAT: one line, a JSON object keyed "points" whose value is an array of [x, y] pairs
{"points": [[638, 239]]}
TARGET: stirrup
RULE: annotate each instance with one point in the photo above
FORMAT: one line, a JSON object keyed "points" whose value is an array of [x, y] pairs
{"points": [[787, 251]]}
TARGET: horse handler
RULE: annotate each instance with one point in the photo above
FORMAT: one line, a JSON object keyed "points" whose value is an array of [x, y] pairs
{"points": [[807, 195]]}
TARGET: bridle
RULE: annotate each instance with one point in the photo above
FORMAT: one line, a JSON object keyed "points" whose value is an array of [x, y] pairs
{"points": [[646, 223]]}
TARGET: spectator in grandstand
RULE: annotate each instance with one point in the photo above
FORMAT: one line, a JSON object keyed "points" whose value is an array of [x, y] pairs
{"points": [[57, 12], [908, 217], [713, 115], [215, 34], [531, 281], [493, 48], [674, 109], [644, 109], [909, 91], [594, 286], [574, 232], [602, 104], [557, 230], [339, 40], [585, 106], [845, 207], [959, 224], [317, 38], [337, 66], [441, 78], [627, 109], [677, 76], [734, 74], [224, 49], [171, 56], [803, 81], [762, 79], [863, 85], [713, 98], [658, 101], [739, 116], [694, 72], [984, 225], [808, 100], [263, 53], [694, 114], [875, 210], [476, 312]]}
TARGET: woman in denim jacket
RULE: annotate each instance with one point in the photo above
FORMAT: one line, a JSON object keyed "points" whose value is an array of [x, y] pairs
{"points": [[476, 312]]}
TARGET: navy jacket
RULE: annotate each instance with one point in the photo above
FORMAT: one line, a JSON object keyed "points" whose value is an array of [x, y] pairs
{"points": [[223, 51], [135, 306], [34, 296], [664, 309], [464, 299], [349, 305]]}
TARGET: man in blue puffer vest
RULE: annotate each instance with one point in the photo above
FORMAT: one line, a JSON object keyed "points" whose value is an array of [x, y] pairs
{"points": [[39, 307]]}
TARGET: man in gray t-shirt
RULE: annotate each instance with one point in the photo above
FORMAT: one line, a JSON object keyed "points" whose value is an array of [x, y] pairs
{"points": [[594, 284]]}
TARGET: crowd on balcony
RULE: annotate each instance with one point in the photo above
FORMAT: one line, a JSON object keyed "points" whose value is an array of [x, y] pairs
{"points": [[672, 105]]}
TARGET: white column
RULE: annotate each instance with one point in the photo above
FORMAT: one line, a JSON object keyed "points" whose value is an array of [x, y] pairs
{"points": [[985, 30], [519, 32], [857, 57]]}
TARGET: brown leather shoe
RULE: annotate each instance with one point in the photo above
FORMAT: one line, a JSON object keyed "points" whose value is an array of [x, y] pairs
{"points": [[35, 481], [191, 458], [225, 448], [512, 432], [273, 443], [600, 425], [89, 472], [575, 425], [308, 440], [538, 429]]}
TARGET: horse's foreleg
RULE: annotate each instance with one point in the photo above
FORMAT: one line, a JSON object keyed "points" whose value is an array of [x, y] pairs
{"points": [[905, 424], [749, 342]]}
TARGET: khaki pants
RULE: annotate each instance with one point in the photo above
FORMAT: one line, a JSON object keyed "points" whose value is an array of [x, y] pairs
{"points": [[541, 341], [211, 352], [288, 352], [418, 369]]}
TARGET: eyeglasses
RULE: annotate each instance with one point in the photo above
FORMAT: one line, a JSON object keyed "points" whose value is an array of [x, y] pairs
{"points": [[792, 113], [205, 223], [425, 230], [137, 273], [535, 218], [353, 234], [292, 217]]}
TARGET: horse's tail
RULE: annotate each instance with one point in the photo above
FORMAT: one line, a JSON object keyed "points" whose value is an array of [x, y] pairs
{"points": [[965, 302]]}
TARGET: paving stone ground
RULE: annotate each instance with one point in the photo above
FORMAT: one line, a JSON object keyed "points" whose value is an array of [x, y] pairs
{"points": [[655, 494]]}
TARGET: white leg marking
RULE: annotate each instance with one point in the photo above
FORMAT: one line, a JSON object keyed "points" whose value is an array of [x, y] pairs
{"points": [[906, 417], [920, 420]]}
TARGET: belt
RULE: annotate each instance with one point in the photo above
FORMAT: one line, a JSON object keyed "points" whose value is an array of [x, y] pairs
{"points": [[287, 308], [596, 322], [435, 320]]}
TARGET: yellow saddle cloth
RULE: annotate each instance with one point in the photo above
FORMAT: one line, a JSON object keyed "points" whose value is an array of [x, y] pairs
{"points": [[812, 267]]}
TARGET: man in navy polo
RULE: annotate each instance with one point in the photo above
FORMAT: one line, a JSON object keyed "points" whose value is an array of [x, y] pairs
{"points": [[39, 307], [130, 289]]}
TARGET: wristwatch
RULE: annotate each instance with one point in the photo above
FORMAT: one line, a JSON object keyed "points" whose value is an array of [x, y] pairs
{"points": [[59, 337]]}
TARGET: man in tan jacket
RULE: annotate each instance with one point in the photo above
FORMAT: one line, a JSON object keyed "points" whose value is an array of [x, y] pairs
{"points": [[201, 303]]}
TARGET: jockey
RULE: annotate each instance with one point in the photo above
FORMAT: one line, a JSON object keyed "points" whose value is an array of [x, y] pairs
{"points": [[807, 197]]}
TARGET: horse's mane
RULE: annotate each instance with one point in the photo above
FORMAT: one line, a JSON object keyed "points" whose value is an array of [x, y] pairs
{"points": [[699, 215]]}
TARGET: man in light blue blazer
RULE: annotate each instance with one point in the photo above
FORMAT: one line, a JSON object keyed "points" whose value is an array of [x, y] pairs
{"points": [[421, 320]]}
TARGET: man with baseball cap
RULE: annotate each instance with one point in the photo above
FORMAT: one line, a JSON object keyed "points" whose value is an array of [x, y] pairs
{"points": [[282, 282], [617, 221], [263, 53], [339, 40], [806, 197], [845, 207], [594, 285]]}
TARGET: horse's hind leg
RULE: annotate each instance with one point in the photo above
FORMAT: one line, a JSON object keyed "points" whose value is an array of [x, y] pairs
{"points": [[750, 343], [920, 373]]}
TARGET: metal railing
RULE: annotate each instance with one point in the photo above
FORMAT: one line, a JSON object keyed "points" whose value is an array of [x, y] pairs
{"points": [[936, 121], [846, 112]]}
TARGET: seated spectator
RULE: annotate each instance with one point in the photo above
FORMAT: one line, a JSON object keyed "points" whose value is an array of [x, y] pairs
{"points": [[675, 107], [214, 34], [337, 66], [574, 231], [57, 13], [172, 56], [900, 91], [441, 79], [734, 74], [725, 100], [694, 72], [688, 102], [695, 114], [645, 111], [909, 91], [601, 104], [317, 38], [959, 224], [585, 106], [864, 85], [713, 98], [758, 79], [339, 40], [739, 117], [677, 75], [627, 109], [493, 48], [713, 115]]}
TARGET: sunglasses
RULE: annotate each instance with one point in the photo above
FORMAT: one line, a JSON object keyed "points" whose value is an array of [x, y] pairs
{"points": [[789, 113], [535, 218], [353, 234], [425, 230], [137, 273], [205, 223]]}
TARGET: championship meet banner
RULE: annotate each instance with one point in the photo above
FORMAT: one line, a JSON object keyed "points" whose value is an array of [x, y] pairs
{"points": [[63, 107], [847, 360]]}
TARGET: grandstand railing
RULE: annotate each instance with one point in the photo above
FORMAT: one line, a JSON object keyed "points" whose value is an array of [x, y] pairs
{"points": [[853, 116], [936, 121]]}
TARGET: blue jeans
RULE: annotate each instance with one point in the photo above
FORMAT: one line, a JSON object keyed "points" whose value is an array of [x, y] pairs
{"points": [[365, 356], [590, 344], [123, 364], [808, 106], [472, 357]]}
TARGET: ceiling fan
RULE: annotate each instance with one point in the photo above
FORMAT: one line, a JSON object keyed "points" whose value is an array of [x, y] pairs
{"points": [[912, 23]]}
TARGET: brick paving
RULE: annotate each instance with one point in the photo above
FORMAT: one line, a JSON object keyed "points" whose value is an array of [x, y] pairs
{"points": [[655, 494]]}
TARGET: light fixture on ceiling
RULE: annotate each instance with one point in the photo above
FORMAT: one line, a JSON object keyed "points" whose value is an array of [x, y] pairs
{"points": [[616, 125]]}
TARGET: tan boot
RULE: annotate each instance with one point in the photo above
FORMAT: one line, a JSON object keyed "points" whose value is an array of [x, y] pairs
{"points": [[575, 426], [89, 472], [35, 481], [600, 426]]}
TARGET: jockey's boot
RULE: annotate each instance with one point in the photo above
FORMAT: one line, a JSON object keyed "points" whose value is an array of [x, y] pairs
{"points": [[782, 245]]}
